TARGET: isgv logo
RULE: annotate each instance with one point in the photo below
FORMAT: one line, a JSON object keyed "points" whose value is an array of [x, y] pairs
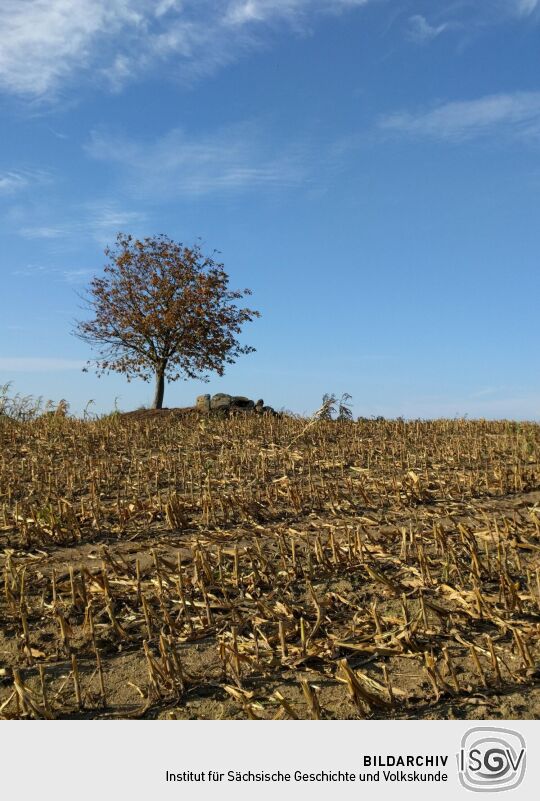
{"points": [[491, 759]]}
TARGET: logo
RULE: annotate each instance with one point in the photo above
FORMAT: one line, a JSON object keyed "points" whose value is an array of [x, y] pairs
{"points": [[491, 760]]}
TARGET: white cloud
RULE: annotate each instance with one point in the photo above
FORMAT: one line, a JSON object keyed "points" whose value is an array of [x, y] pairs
{"points": [[38, 364], [517, 114], [76, 276], [526, 7], [72, 276], [104, 218], [99, 219], [164, 6], [43, 40], [42, 232], [43, 43], [258, 10], [15, 180], [492, 11], [421, 31], [240, 12], [11, 182], [232, 159]]}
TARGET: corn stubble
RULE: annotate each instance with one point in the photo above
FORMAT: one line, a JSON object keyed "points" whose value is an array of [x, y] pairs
{"points": [[267, 569]]}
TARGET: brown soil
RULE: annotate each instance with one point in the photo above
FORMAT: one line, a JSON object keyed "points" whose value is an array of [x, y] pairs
{"points": [[262, 568], [157, 414]]}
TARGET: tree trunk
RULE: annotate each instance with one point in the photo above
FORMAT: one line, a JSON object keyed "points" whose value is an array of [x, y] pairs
{"points": [[160, 386]]}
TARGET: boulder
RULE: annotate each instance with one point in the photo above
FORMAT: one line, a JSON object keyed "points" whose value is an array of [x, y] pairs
{"points": [[203, 403], [221, 401], [231, 404], [239, 402], [260, 408]]}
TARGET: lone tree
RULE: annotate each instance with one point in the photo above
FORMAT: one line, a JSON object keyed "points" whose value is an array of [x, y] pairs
{"points": [[165, 310]]}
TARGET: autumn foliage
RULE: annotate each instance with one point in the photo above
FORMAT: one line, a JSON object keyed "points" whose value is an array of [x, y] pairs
{"points": [[163, 310]]}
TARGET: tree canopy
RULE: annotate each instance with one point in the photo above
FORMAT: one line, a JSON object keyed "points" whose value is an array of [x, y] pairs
{"points": [[165, 310]]}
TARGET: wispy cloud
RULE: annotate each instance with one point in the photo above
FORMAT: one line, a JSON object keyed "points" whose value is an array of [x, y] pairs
{"points": [[491, 12], [99, 220], [233, 159], [46, 42], [70, 276], [103, 218], [43, 231], [489, 392], [421, 31], [13, 181], [469, 18], [516, 114], [38, 364], [240, 12], [525, 8]]}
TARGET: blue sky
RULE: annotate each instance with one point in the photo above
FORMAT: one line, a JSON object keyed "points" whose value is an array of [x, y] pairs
{"points": [[370, 168]]}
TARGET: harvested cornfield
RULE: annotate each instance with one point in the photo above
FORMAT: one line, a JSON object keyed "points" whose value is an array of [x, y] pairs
{"points": [[264, 568]]}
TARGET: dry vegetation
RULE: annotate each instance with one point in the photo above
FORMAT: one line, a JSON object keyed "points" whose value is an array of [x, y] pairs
{"points": [[266, 568]]}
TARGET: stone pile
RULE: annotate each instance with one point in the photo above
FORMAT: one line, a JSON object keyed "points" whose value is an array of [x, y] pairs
{"points": [[231, 404]]}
